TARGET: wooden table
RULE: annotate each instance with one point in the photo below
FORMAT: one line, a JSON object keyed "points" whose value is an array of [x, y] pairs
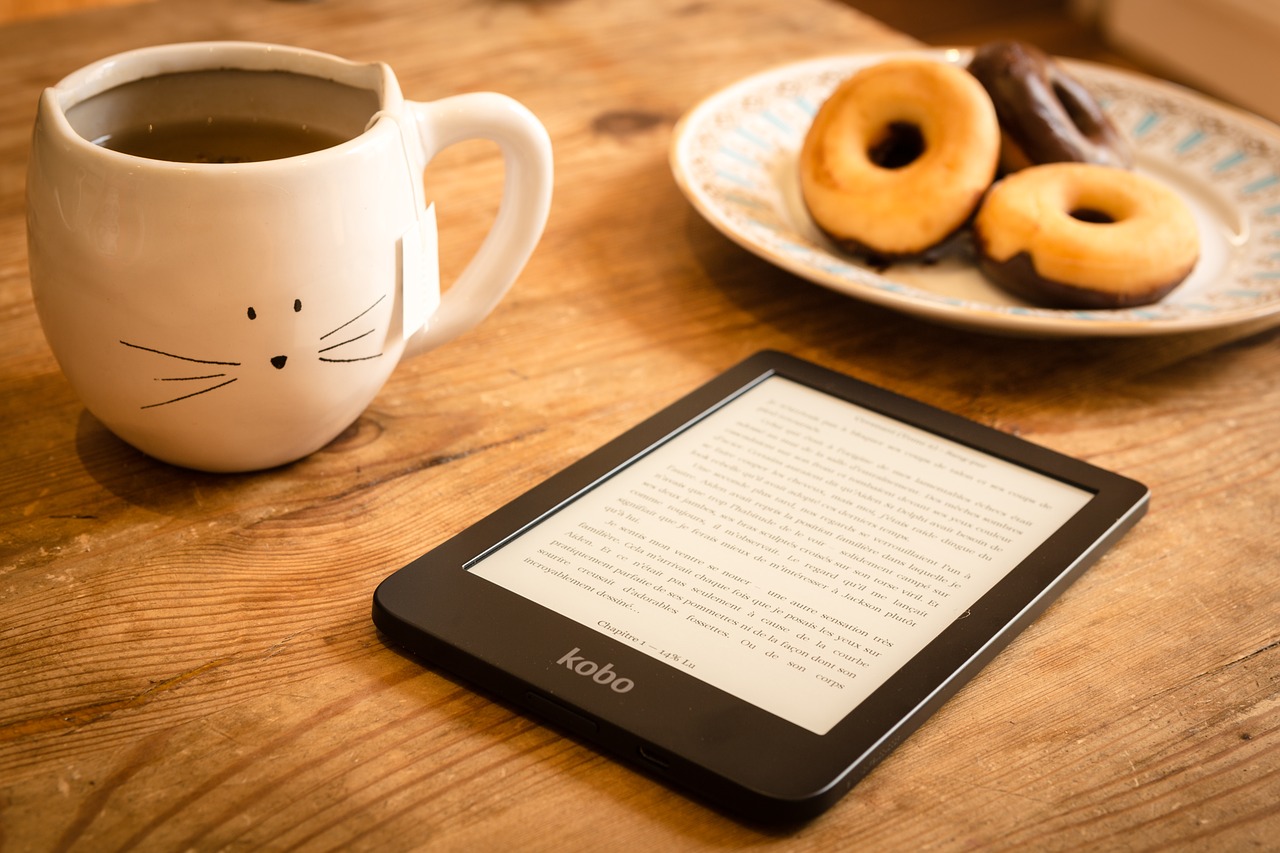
{"points": [[188, 660]]}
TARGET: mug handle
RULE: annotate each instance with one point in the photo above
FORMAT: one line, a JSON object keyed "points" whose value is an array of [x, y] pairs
{"points": [[522, 213]]}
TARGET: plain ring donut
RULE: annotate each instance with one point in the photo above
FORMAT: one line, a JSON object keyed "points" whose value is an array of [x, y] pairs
{"points": [[899, 156], [1078, 235], [1045, 114]]}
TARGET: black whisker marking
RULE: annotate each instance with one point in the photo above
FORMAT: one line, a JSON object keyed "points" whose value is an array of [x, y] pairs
{"points": [[348, 341], [193, 394], [180, 357], [345, 360], [189, 378], [353, 319]]}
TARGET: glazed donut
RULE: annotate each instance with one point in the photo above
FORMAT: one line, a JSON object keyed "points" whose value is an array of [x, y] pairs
{"points": [[1046, 115], [1079, 235], [898, 157]]}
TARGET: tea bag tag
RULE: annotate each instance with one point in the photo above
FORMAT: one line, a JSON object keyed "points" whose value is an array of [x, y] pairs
{"points": [[419, 272]]}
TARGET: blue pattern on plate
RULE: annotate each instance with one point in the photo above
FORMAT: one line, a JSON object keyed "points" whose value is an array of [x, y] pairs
{"points": [[755, 140], [1260, 184], [1143, 127], [1190, 141], [1230, 161]]}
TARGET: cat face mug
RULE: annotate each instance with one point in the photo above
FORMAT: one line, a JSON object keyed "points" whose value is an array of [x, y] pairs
{"points": [[230, 249]]}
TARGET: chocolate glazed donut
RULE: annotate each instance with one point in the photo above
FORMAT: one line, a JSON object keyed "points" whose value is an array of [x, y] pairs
{"points": [[1045, 115], [1080, 235]]}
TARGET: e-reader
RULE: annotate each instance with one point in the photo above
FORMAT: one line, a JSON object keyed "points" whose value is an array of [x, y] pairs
{"points": [[758, 592]]}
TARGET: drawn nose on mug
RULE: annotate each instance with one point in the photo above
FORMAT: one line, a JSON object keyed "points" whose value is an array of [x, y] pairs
{"points": [[273, 210]]}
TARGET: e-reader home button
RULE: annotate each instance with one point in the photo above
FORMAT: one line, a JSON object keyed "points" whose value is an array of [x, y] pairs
{"points": [[559, 715]]}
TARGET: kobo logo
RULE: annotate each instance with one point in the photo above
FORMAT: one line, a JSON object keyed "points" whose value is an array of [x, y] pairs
{"points": [[575, 662]]}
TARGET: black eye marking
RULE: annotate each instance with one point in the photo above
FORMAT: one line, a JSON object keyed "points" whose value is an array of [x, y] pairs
{"points": [[297, 306]]}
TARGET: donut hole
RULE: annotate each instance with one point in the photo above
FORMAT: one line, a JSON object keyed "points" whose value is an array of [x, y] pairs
{"points": [[1092, 215], [1098, 204], [1075, 109], [899, 144]]}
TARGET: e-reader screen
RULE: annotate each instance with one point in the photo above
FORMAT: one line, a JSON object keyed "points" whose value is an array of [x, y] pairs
{"points": [[757, 592], [791, 548]]}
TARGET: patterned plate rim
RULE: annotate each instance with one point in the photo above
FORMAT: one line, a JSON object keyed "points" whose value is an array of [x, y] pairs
{"points": [[1228, 154]]}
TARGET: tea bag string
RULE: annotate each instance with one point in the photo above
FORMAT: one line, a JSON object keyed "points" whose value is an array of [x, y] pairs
{"points": [[419, 194]]}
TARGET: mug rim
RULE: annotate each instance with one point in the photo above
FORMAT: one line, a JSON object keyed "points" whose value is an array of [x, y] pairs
{"points": [[158, 60]]}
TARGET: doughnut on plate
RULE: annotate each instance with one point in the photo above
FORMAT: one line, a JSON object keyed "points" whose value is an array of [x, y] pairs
{"points": [[734, 156]]}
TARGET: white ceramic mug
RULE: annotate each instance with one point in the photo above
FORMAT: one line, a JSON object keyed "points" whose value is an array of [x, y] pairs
{"points": [[237, 316]]}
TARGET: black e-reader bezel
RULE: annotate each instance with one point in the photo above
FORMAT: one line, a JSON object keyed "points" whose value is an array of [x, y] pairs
{"points": [[700, 739]]}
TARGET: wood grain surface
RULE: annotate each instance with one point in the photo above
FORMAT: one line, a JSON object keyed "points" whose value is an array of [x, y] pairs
{"points": [[187, 660], [20, 10]]}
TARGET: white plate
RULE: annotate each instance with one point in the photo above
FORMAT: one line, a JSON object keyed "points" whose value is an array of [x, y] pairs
{"points": [[734, 156]]}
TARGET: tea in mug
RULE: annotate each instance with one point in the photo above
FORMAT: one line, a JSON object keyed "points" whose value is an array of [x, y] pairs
{"points": [[224, 116], [219, 141]]}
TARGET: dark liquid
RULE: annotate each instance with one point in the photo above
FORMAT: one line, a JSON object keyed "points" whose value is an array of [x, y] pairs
{"points": [[224, 116], [219, 141]]}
